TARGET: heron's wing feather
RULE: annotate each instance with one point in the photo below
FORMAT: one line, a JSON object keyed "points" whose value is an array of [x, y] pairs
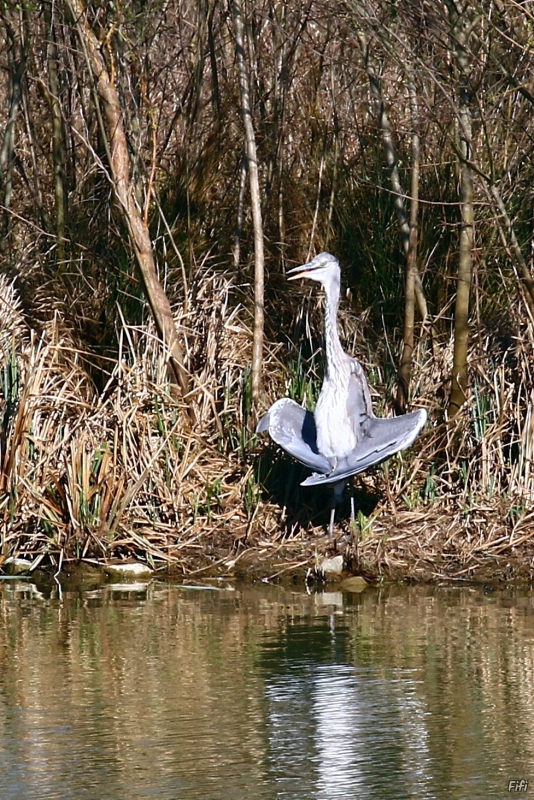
{"points": [[293, 428], [263, 424], [359, 404], [382, 438]]}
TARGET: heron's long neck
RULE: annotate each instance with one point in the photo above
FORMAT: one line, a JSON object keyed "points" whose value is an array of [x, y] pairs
{"points": [[334, 351]]}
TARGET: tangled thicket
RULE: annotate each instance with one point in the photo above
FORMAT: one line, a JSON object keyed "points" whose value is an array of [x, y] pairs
{"points": [[97, 454]]}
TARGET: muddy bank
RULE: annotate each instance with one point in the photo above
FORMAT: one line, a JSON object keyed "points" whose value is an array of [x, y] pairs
{"points": [[407, 547]]}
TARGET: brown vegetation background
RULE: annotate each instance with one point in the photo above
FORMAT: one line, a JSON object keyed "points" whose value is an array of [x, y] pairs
{"points": [[161, 165]]}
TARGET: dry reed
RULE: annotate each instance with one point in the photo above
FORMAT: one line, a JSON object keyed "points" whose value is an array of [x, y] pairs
{"points": [[88, 475]]}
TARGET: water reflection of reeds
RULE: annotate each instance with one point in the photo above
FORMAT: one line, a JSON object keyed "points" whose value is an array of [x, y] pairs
{"points": [[239, 693]]}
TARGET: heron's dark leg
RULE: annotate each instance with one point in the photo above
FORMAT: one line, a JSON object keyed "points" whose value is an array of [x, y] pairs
{"points": [[338, 494]]}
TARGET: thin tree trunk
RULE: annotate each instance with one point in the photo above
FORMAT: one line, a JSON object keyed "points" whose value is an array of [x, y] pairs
{"points": [[216, 95], [414, 293], [240, 206], [124, 192], [375, 83], [522, 270], [405, 369], [317, 205], [58, 139], [459, 379], [7, 150], [40, 210], [252, 164]]}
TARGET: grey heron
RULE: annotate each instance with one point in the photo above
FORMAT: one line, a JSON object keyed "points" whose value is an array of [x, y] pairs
{"points": [[343, 437]]}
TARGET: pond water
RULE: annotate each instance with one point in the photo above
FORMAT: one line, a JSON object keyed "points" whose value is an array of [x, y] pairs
{"points": [[233, 693]]}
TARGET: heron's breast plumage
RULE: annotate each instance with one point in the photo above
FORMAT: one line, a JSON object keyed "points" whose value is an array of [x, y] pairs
{"points": [[337, 431]]}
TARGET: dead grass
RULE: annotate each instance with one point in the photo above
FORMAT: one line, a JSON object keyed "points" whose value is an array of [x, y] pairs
{"points": [[94, 476]]}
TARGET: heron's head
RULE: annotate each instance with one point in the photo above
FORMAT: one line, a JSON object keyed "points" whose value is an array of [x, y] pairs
{"points": [[324, 268]]}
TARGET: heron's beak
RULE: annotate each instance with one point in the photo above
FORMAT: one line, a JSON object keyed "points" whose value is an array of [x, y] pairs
{"points": [[304, 271]]}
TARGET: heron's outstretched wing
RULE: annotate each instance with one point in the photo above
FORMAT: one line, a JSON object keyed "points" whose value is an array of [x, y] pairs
{"points": [[381, 439], [293, 428]]}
